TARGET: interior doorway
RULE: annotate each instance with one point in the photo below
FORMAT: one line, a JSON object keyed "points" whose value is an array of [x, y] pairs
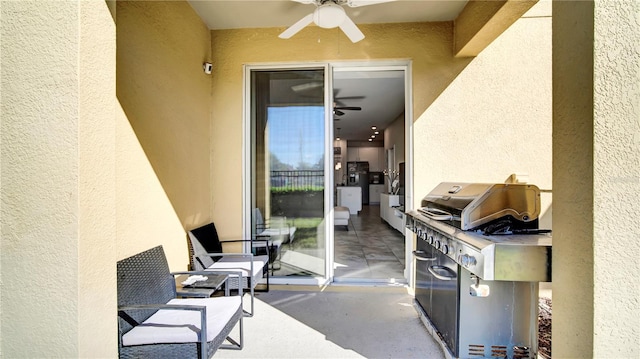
{"points": [[369, 144]]}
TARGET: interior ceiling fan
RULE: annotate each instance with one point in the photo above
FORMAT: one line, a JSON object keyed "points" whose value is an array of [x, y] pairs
{"points": [[337, 109], [329, 14]]}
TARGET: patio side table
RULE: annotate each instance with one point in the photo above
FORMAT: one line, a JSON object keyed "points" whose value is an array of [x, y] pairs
{"points": [[201, 289]]}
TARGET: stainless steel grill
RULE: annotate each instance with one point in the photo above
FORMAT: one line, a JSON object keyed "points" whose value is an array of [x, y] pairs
{"points": [[470, 206], [480, 248]]}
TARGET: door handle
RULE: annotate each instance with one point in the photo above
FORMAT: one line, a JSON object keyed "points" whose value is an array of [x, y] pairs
{"points": [[452, 275], [421, 256]]}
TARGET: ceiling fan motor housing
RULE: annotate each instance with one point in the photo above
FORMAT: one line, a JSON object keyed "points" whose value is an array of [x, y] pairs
{"points": [[329, 15]]}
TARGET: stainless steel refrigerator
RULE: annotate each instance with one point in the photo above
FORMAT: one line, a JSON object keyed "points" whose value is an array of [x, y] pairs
{"points": [[358, 175]]}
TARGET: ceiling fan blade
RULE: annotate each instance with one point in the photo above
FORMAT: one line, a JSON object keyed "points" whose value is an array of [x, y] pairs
{"points": [[351, 108], [339, 99], [351, 30], [338, 112], [307, 86], [357, 3], [293, 29]]}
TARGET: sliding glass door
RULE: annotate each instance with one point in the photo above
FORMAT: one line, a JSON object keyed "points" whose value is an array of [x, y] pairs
{"points": [[286, 169]]}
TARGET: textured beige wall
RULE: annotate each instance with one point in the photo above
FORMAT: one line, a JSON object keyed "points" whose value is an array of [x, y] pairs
{"points": [[428, 45], [494, 119], [165, 93], [39, 179], [596, 72], [481, 21], [163, 173], [58, 284], [394, 135], [145, 216], [616, 179], [573, 180], [97, 191]]}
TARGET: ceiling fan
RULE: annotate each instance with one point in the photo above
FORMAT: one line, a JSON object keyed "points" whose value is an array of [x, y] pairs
{"points": [[329, 14], [337, 109]]}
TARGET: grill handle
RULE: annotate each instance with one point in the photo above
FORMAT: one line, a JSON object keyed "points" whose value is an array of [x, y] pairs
{"points": [[433, 270], [420, 256], [437, 214]]}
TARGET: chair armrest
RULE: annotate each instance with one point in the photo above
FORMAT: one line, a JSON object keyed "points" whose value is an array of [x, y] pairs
{"points": [[190, 272], [201, 308], [242, 255], [252, 241], [205, 272], [239, 240]]}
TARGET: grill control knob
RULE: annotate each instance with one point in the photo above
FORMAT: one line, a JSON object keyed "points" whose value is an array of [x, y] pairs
{"points": [[468, 261], [445, 249], [437, 245], [430, 240]]}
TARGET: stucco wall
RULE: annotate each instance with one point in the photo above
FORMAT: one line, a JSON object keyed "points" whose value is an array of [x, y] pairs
{"points": [[596, 132], [165, 94], [394, 137], [97, 191], [428, 45], [57, 219], [39, 175], [616, 178], [494, 119], [573, 179], [163, 128]]}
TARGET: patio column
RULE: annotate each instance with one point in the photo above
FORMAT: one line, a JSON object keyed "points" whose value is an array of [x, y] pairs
{"points": [[57, 170], [596, 176]]}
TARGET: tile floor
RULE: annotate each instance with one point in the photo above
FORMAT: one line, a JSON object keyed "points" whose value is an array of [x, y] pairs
{"points": [[370, 250]]}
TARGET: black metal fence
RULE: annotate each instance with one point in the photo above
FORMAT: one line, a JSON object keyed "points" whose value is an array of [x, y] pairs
{"points": [[297, 180]]}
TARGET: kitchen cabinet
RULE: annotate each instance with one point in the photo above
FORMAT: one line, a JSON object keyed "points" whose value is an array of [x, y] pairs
{"points": [[373, 155], [350, 197], [353, 154], [389, 212], [374, 193]]}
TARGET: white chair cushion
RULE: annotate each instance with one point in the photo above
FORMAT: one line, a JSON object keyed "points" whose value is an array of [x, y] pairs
{"points": [[341, 212], [240, 264], [275, 232], [178, 326]]}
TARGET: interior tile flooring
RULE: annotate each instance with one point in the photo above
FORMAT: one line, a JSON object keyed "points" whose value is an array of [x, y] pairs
{"points": [[370, 251]]}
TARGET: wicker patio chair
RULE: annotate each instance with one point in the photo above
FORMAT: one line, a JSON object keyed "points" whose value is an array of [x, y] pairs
{"points": [[276, 228], [153, 323], [207, 254]]}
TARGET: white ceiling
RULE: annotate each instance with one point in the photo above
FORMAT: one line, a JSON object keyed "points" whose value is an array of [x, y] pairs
{"points": [[238, 14], [381, 95]]}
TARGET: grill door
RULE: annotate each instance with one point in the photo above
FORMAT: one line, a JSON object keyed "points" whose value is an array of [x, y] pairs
{"points": [[445, 299], [424, 257]]}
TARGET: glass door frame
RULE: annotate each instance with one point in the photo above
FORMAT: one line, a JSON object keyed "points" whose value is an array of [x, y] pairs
{"points": [[248, 163]]}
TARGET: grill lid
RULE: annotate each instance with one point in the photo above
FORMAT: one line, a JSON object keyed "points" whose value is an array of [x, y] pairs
{"points": [[471, 206]]}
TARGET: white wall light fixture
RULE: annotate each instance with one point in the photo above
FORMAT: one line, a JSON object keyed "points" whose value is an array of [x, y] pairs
{"points": [[207, 66]]}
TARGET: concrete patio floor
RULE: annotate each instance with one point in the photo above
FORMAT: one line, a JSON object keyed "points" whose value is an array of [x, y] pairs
{"points": [[335, 322]]}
